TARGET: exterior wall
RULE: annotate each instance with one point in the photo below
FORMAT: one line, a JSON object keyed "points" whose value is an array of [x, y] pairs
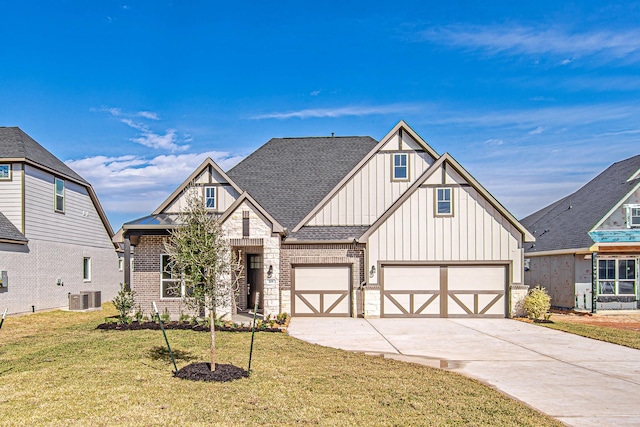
{"points": [[296, 254], [146, 277], [476, 232], [370, 192], [34, 270], [11, 196], [618, 219], [225, 196], [583, 281], [79, 224], [555, 273], [259, 228], [225, 193]]}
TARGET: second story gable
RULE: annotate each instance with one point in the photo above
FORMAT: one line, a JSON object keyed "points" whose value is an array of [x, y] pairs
{"points": [[380, 178]]}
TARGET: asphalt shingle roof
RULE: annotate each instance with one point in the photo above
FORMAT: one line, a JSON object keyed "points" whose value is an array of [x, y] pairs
{"points": [[565, 223], [290, 176], [329, 233], [15, 144], [8, 231]]}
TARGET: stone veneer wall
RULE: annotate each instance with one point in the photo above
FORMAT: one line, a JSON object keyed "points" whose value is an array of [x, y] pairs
{"points": [[295, 254], [259, 229]]}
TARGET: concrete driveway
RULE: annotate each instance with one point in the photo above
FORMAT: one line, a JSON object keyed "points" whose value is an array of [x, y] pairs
{"points": [[581, 382]]}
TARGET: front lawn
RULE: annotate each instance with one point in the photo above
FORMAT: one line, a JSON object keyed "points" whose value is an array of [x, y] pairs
{"points": [[56, 368], [624, 337]]}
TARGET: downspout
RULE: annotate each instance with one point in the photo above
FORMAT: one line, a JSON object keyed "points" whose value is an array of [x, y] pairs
{"points": [[594, 281], [127, 262]]}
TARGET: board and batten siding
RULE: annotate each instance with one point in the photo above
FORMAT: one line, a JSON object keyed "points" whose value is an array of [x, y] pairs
{"points": [[371, 190], [225, 193], [476, 232], [80, 223], [11, 196]]}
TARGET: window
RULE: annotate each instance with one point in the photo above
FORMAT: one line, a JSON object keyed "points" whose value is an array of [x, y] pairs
{"points": [[400, 168], [120, 264], [170, 285], [210, 197], [633, 216], [617, 276], [443, 201], [58, 204], [5, 172], [86, 269], [245, 223]]}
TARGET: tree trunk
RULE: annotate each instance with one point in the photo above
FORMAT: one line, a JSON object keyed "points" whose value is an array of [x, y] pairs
{"points": [[212, 319]]}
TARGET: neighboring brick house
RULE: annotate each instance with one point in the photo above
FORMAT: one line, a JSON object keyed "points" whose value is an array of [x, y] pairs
{"points": [[54, 236], [588, 243], [349, 226]]}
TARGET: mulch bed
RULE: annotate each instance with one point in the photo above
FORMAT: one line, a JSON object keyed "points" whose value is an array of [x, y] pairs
{"points": [[202, 372], [136, 326]]}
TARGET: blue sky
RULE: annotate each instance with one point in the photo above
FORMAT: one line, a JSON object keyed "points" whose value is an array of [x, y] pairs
{"points": [[533, 99]]}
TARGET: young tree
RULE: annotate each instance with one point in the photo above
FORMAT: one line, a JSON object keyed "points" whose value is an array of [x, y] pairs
{"points": [[200, 254]]}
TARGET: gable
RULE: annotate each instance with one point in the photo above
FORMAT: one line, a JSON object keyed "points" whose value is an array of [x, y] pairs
{"points": [[371, 188], [618, 217], [207, 175]]}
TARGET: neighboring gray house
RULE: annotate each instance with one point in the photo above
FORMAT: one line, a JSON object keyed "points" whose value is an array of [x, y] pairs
{"points": [[348, 226], [588, 243], [54, 236]]}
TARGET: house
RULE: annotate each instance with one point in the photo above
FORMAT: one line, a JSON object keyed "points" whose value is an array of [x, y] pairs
{"points": [[587, 246], [348, 226], [54, 236]]}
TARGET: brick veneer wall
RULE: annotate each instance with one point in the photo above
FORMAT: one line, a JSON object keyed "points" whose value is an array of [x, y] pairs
{"points": [[296, 254], [146, 278]]}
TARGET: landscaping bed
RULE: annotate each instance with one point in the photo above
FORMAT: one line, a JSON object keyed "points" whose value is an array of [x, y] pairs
{"points": [[136, 326]]}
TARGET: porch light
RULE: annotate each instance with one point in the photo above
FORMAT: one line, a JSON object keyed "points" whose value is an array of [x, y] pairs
{"points": [[270, 271], [372, 272]]}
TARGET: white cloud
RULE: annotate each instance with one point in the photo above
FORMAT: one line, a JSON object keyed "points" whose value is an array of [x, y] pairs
{"points": [[536, 131], [340, 112], [315, 93], [537, 41], [494, 141], [148, 115]]}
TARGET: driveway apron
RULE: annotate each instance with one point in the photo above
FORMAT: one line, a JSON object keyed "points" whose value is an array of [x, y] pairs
{"points": [[580, 381]]}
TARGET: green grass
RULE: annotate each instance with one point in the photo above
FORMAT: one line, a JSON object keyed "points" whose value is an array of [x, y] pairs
{"points": [[56, 368], [602, 333]]}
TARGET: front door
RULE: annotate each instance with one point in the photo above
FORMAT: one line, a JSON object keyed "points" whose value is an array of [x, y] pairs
{"points": [[254, 280]]}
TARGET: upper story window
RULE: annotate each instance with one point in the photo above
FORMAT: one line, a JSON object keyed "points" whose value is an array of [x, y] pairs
{"points": [[444, 203], [58, 189], [5, 172], [633, 216], [210, 197], [401, 166]]}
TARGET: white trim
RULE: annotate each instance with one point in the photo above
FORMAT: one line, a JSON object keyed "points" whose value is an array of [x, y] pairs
{"points": [[437, 201], [55, 195], [86, 269], [615, 207], [215, 197], [405, 166]]}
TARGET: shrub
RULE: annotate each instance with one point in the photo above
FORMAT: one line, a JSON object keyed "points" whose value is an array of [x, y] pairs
{"points": [[165, 317], [536, 303], [124, 302]]}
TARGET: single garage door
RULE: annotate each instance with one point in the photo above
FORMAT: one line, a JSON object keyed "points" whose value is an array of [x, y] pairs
{"points": [[321, 290], [443, 291]]}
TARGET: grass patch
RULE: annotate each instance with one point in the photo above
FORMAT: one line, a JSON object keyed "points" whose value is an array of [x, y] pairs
{"points": [[57, 368], [602, 333]]}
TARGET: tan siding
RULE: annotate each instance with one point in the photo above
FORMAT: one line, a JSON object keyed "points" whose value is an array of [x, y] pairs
{"points": [[80, 223], [11, 196]]}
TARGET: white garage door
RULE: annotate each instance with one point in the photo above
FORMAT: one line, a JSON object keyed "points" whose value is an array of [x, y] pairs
{"points": [[443, 291], [321, 290]]}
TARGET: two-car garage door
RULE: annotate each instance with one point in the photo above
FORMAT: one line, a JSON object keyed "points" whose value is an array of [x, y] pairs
{"points": [[443, 290]]}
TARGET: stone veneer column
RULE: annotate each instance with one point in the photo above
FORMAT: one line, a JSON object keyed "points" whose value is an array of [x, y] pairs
{"points": [[517, 292]]}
